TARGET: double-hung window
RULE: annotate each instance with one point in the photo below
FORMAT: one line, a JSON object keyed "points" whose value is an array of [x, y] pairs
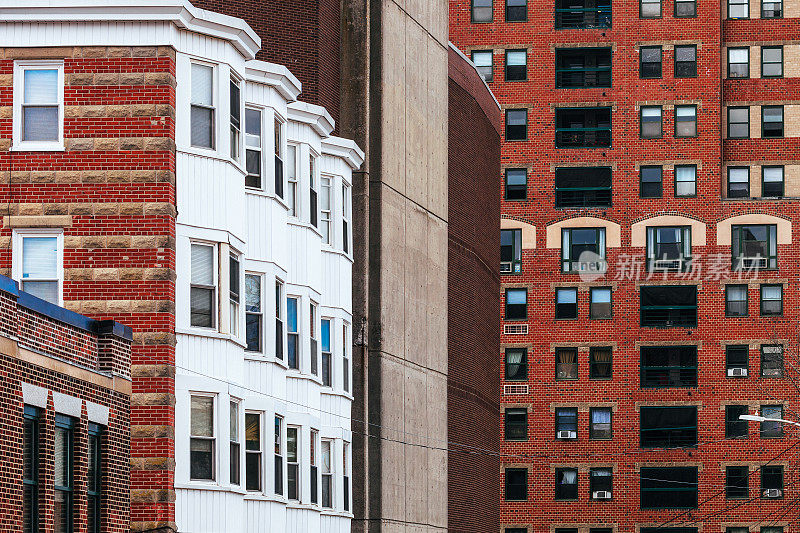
{"points": [[668, 427], [39, 105], [772, 181], [516, 424], [668, 487], [668, 306], [516, 10], [254, 313], [278, 469], [236, 119], [516, 304], [516, 483], [685, 180], [739, 62], [325, 209], [600, 423], [252, 142], [685, 8], [235, 444], [600, 481], [583, 127], [738, 182], [484, 63], [279, 158], [313, 212], [737, 482], [63, 475], [566, 484], [576, 14], [516, 184], [651, 181], [202, 442], [668, 366], [327, 474], [346, 475], [202, 106], [582, 249], [600, 362], [510, 251], [739, 9], [292, 179], [516, 65], [650, 62], [649, 9], [754, 246], [771, 9], [516, 124], [769, 428], [772, 121], [325, 331], [346, 357], [293, 332], [669, 247], [312, 337], [772, 481], [583, 187], [737, 360], [771, 300], [566, 363], [685, 121], [93, 479], [313, 467], [293, 463], [235, 290], [566, 423], [482, 10], [583, 67], [516, 364], [278, 319], [650, 122], [772, 61], [600, 302], [203, 291], [686, 61], [771, 360], [566, 302], [735, 428], [345, 218], [30, 470], [736, 300], [738, 122], [40, 266]]}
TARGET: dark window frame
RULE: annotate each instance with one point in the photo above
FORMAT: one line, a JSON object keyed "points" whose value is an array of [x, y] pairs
{"points": [[593, 363], [512, 427], [563, 491], [762, 300], [735, 193], [564, 376], [596, 16], [660, 63], [728, 60], [737, 482], [642, 170], [567, 259], [515, 264], [566, 419], [506, 66], [523, 365], [693, 3], [729, 122], [524, 126], [696, 122], [733, 356], [772, 477], [778, 368], [693, 182], [667, 436], [660, 10], [734, 427], [764, 122], [31, 485], [566, 137], [94, 497], [656, 481], [737, 231], [782, 191], [730, 312], [653, 248], [594, 315], [661, 376], [518, 485], [597, 434], [678, 65], [777, 430], [688, 321], [660, 122], [782, 62], [594, 195], [594, 480], [728, 11], [513, 20], [516, 316], [67, 424], [764, 11], [561, 308], [565, 78], [490, 53], [515, 188], [472, 13]]}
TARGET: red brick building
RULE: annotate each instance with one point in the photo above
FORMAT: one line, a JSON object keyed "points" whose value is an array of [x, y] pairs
{"points": [[65, 402], [661, 136]]}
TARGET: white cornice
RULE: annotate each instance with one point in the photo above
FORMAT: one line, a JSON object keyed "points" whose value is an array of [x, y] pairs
{"points": [[181, 13], [346, 149], [469, 61], [274, 75], [315, 116]]}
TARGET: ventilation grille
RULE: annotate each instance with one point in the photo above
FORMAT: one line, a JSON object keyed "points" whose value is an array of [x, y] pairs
{"points": [[515, 329], [515, 389]]}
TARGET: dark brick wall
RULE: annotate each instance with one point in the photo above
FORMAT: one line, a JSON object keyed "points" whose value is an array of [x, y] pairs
{"points": [[473, 403], [303, 35]]}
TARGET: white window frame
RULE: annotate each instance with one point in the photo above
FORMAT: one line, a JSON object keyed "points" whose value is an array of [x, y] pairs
{"points": [[279, 453], [259, 149], [238, 138], [298, 333], [214, 107], [280, 149], [330, 353], [313, 187], [346, 366], [213, 438], [235, 307], [314, 326], [215, 319], [17, 251], [293, 182], [326, 216], [313, 463], [235, 440], [347, 477], [259, 452], [259, 313], [279, 295], [347, 229], [297, 463], [18, 96], [331, 474]]}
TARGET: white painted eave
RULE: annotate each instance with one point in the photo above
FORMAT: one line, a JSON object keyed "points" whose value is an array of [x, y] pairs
{"points": [[346, 149], [274, 75], [315, 116], [468, 60], [181, 13]]}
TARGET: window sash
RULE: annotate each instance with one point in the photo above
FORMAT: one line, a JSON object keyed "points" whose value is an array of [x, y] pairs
{"points": [[516, 364], [668, 366], [735, 428]]}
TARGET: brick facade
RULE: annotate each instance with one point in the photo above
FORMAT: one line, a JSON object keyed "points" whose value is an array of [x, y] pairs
{"points": [[708, 212], [473, 400], [112, 192], [60, 362]]}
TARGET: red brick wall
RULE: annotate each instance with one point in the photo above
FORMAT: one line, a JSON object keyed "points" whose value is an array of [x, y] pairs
{"points": [[302, 35], [541, 268], [473, 285]]}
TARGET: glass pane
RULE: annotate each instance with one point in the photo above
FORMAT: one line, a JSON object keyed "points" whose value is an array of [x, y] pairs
{"points": [[39, 257], [566, 296], [202, 84], [201, 459], [601, 296], [61, 458], [326, 457], [40, 123], [41, 86], [61, 512], [516, 58], [252, 289], [252, 125], [202, 265], [46, 290], [738, 55], [482, 59], [685, 53], [291, 445], [516, 296], [773, 174], [201, 131], [202, 422], [252, 431], [234, 422], [326, 335]]}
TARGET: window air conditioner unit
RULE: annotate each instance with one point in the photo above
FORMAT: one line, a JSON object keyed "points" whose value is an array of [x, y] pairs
{"points": [[601, 495], [515, 329], [505, 267], [515, 389], [754, 262], [737, 372], [773, 493], [566, 434], [667, 264]]}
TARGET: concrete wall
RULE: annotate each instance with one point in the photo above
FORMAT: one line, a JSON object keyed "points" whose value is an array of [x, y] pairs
{"points": [[395, 100]]}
